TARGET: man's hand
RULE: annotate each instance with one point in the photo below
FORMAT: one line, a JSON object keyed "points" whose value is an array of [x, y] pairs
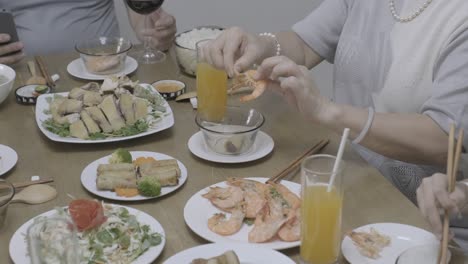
{"points": [[10, 53]]}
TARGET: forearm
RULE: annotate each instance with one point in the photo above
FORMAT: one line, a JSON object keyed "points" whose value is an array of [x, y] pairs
{"points": [[293, 47], [408, 137]]}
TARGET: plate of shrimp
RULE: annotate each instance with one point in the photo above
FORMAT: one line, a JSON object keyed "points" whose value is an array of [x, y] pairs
{"points": [[247, 210]]}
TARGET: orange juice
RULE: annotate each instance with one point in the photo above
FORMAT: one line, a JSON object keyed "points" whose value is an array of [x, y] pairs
{"points": [[211, 92], [321, 224]]}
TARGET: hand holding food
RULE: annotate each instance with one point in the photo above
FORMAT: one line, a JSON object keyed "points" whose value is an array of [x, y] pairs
{"points": [[432, 196], [295, 84], [10, 53], [235, 50]]}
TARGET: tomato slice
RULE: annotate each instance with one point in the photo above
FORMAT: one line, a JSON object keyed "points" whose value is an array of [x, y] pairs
{"points": [[86, 214]]}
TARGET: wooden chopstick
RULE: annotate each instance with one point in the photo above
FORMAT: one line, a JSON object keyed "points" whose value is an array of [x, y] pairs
{"points": [[293, 165], [27, 183], [453, 159], [44, 71]]}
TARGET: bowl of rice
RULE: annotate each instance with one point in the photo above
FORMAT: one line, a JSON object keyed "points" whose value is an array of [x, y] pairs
{"points": [[7, 78], [185, 48]]}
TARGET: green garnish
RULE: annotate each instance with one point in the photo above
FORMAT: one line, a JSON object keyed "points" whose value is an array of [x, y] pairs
{"points": [[121, 156], [249, 221], [62, 130], [40, 89], [149, 186]]}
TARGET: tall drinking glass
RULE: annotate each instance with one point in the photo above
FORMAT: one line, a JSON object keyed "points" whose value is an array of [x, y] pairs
{"points": [[146, 7], [7, 191], [321, 210], [53, 240], [211, 87]]}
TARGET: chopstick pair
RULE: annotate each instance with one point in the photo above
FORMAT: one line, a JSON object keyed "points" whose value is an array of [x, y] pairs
{"points": [[293, 165], [453, 159], [44, 71]]}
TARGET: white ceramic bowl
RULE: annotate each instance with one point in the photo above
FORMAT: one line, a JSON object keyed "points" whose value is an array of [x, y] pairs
{"points": [[185, 49], [7, 78]]}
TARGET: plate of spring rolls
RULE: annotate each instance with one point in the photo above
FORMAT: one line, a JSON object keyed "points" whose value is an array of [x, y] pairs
{"points": [[136, 180], [118, 109]]}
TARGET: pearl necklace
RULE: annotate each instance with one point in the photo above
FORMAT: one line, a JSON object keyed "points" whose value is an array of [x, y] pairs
{"points": [[410, 17]]}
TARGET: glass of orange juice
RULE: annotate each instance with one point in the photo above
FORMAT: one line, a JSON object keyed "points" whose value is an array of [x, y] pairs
{"points": [[321, 210], [211, 87]]}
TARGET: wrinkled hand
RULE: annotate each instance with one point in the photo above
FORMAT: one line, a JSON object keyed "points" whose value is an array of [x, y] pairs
{"points": [[162, 29], [432, 196], [14, 48], [295, 84], [236, 50]]}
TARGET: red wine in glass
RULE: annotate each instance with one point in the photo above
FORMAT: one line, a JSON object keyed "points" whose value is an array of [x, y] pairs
{"points": [[146, 7]]}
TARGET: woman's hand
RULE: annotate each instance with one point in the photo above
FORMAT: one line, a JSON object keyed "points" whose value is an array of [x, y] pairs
{"points": [[162, 29], [236, 50], [295, 84], [10, 53], [432, 196]]}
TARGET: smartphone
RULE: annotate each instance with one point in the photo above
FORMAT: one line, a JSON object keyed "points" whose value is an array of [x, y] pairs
{"points": [[8, 26]]}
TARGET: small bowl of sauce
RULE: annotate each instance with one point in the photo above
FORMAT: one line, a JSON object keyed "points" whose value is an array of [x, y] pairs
{"points": [[169, 89]]}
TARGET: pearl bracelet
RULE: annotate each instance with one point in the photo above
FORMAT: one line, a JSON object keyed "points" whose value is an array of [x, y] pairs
{"points": [[370, 118], [273, 36]]}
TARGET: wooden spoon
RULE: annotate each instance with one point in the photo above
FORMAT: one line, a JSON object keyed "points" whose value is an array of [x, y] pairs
{"points": [[34, 79], [35, 194]]}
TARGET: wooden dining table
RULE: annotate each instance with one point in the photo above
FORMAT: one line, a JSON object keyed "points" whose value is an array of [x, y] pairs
{"points": [[369, 197]]}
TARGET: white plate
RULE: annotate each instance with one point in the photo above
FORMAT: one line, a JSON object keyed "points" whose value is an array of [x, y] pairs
{"points": [[166, 122], [263, 145], [248, 254], [89, 175], [8, 159], [19, 251], [77, 69], [402, 236], [198, 209]]}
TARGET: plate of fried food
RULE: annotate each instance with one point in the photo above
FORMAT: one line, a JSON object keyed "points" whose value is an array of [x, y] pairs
{"points": [[118, 109], [134, 176], [247, 210], [382, 243], [220, 253]]}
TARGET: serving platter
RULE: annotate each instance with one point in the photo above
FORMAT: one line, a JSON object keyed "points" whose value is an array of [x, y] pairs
{"points": [[42, 106], [8, 159], [198, 210], [89, 175], [19, 248]]}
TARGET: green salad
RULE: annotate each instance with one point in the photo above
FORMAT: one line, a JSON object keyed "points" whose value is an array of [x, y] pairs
{"points": [[120, 239]]}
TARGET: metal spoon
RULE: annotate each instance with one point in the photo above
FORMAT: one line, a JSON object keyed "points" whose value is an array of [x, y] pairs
{"points": [[35, 194]]}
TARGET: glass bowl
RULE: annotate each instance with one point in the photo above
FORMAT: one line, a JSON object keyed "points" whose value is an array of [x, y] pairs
{"points": [[104, 55], [186, 53], [235, 134]]}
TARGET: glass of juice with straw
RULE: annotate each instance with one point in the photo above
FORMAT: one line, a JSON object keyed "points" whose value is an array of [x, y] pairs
{"points": [[322, 201], [211, 87]]}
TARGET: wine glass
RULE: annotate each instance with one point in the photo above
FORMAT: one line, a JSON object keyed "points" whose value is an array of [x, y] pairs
{"points": [[146, 7]]}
